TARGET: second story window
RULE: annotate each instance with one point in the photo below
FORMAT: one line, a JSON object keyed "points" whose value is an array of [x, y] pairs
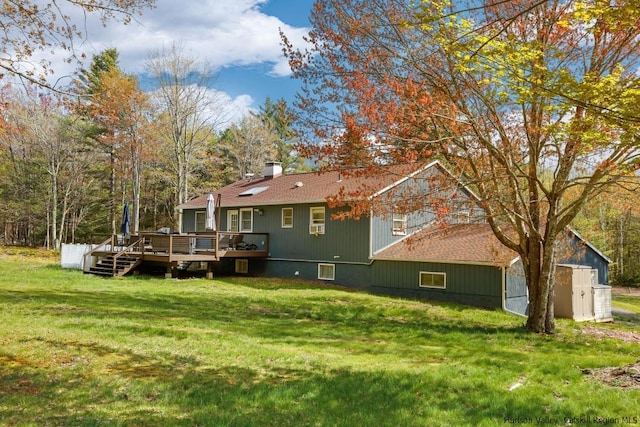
{"points": [[399, 227], [316, 220], [287, 217], [246, 220]]}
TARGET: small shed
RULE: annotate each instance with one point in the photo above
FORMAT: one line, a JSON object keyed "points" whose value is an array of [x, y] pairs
{"points": [[602, 303], [573, 297], [578, 296]]}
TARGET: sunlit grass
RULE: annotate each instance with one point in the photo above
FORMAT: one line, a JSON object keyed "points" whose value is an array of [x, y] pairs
{"points": [[81, 350], [629, 303]]}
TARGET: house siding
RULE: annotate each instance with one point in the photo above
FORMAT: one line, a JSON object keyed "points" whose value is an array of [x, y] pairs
{"points": [[355, 276], [382, 226], [343, 241], [580, 253], [474, 285], [295, 253], [382, 229], [189, 221], [351, 246]]}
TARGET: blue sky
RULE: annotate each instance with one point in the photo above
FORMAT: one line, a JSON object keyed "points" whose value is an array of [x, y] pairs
{"points": [[257, 79], [239, 38]]}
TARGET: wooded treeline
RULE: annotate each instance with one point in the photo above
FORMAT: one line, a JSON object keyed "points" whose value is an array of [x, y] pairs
{"points": [[70, 161]]}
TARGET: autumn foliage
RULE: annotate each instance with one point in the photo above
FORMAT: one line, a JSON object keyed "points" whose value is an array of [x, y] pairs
{"points": [[533, 104]]}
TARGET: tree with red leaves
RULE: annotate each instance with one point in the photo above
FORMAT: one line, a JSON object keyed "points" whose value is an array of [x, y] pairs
{"points": [[532, 104]]}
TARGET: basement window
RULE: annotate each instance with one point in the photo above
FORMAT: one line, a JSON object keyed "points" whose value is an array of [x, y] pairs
{"points": [[433, 280], [326, 271], [242, 266]]}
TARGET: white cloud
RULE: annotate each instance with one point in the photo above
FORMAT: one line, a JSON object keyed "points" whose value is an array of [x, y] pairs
{"points": [[236, 108], [222, 33]]}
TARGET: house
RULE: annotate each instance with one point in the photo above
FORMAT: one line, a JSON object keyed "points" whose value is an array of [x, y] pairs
{"points": [[395, 254]]}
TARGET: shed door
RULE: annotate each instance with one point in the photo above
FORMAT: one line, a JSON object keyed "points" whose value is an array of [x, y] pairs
{"points": [[582, 295]]}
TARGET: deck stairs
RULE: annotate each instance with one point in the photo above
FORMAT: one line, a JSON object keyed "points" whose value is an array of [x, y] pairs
{"points": [[123, 265]]}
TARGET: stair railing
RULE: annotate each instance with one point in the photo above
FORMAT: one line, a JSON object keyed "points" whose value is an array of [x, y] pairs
{"points": [[101, 247], [138, 244]]}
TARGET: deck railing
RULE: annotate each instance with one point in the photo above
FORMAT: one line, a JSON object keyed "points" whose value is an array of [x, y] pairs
{"points": [[112, 245], [214, 243], [235, 241], [177, 247]]}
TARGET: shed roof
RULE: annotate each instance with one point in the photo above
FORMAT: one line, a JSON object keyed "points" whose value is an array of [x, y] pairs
{"points": [[455, 243]]}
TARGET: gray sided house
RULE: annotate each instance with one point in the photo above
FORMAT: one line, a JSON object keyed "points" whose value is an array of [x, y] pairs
{"points": [[396, 254]]}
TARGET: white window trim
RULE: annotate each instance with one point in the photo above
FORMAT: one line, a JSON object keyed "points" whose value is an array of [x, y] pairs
{"points": [[283, 216], [242, 266], [462, 217], [244, 230], [433, 273], [333, 271], [402, 230], [317, 227], [230, 213]]}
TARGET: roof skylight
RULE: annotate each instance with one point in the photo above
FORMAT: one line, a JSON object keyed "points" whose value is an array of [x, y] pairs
{"points": [[253, 191]]}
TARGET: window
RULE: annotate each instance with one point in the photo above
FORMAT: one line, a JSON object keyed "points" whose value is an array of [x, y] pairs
{"points": [[246, 220], [326, 271], [461, 217], [399, 224], [287, 217], [433, 280], [316, 220], [242, 266], [200, 218], [233, 221]]}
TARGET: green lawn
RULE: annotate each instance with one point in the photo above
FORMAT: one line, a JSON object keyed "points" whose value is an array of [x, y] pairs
{"points": [[138, 351]]}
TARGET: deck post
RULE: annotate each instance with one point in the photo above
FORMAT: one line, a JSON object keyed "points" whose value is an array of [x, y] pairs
{"points": [[169, 273], [209, 270]]}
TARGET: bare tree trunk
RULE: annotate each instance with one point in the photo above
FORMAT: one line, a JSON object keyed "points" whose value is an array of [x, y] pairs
{"points": [[191, 111], [622, 225], [54, 211], [112, 192], [136, 177]]}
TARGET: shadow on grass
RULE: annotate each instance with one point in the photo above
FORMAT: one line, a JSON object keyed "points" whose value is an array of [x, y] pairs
{"points": [[266, 316], [432, 365], [241, 396]]}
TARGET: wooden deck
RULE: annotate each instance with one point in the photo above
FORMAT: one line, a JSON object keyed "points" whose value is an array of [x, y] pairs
{"points": [[172, 250]]}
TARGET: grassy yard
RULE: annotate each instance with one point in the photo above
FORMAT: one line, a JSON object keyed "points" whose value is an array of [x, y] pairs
{"points": [[139, 351]]}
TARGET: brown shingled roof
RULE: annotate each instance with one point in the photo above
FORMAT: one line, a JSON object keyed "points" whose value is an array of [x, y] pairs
{"points": [[310, 187], [456, 243]]}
